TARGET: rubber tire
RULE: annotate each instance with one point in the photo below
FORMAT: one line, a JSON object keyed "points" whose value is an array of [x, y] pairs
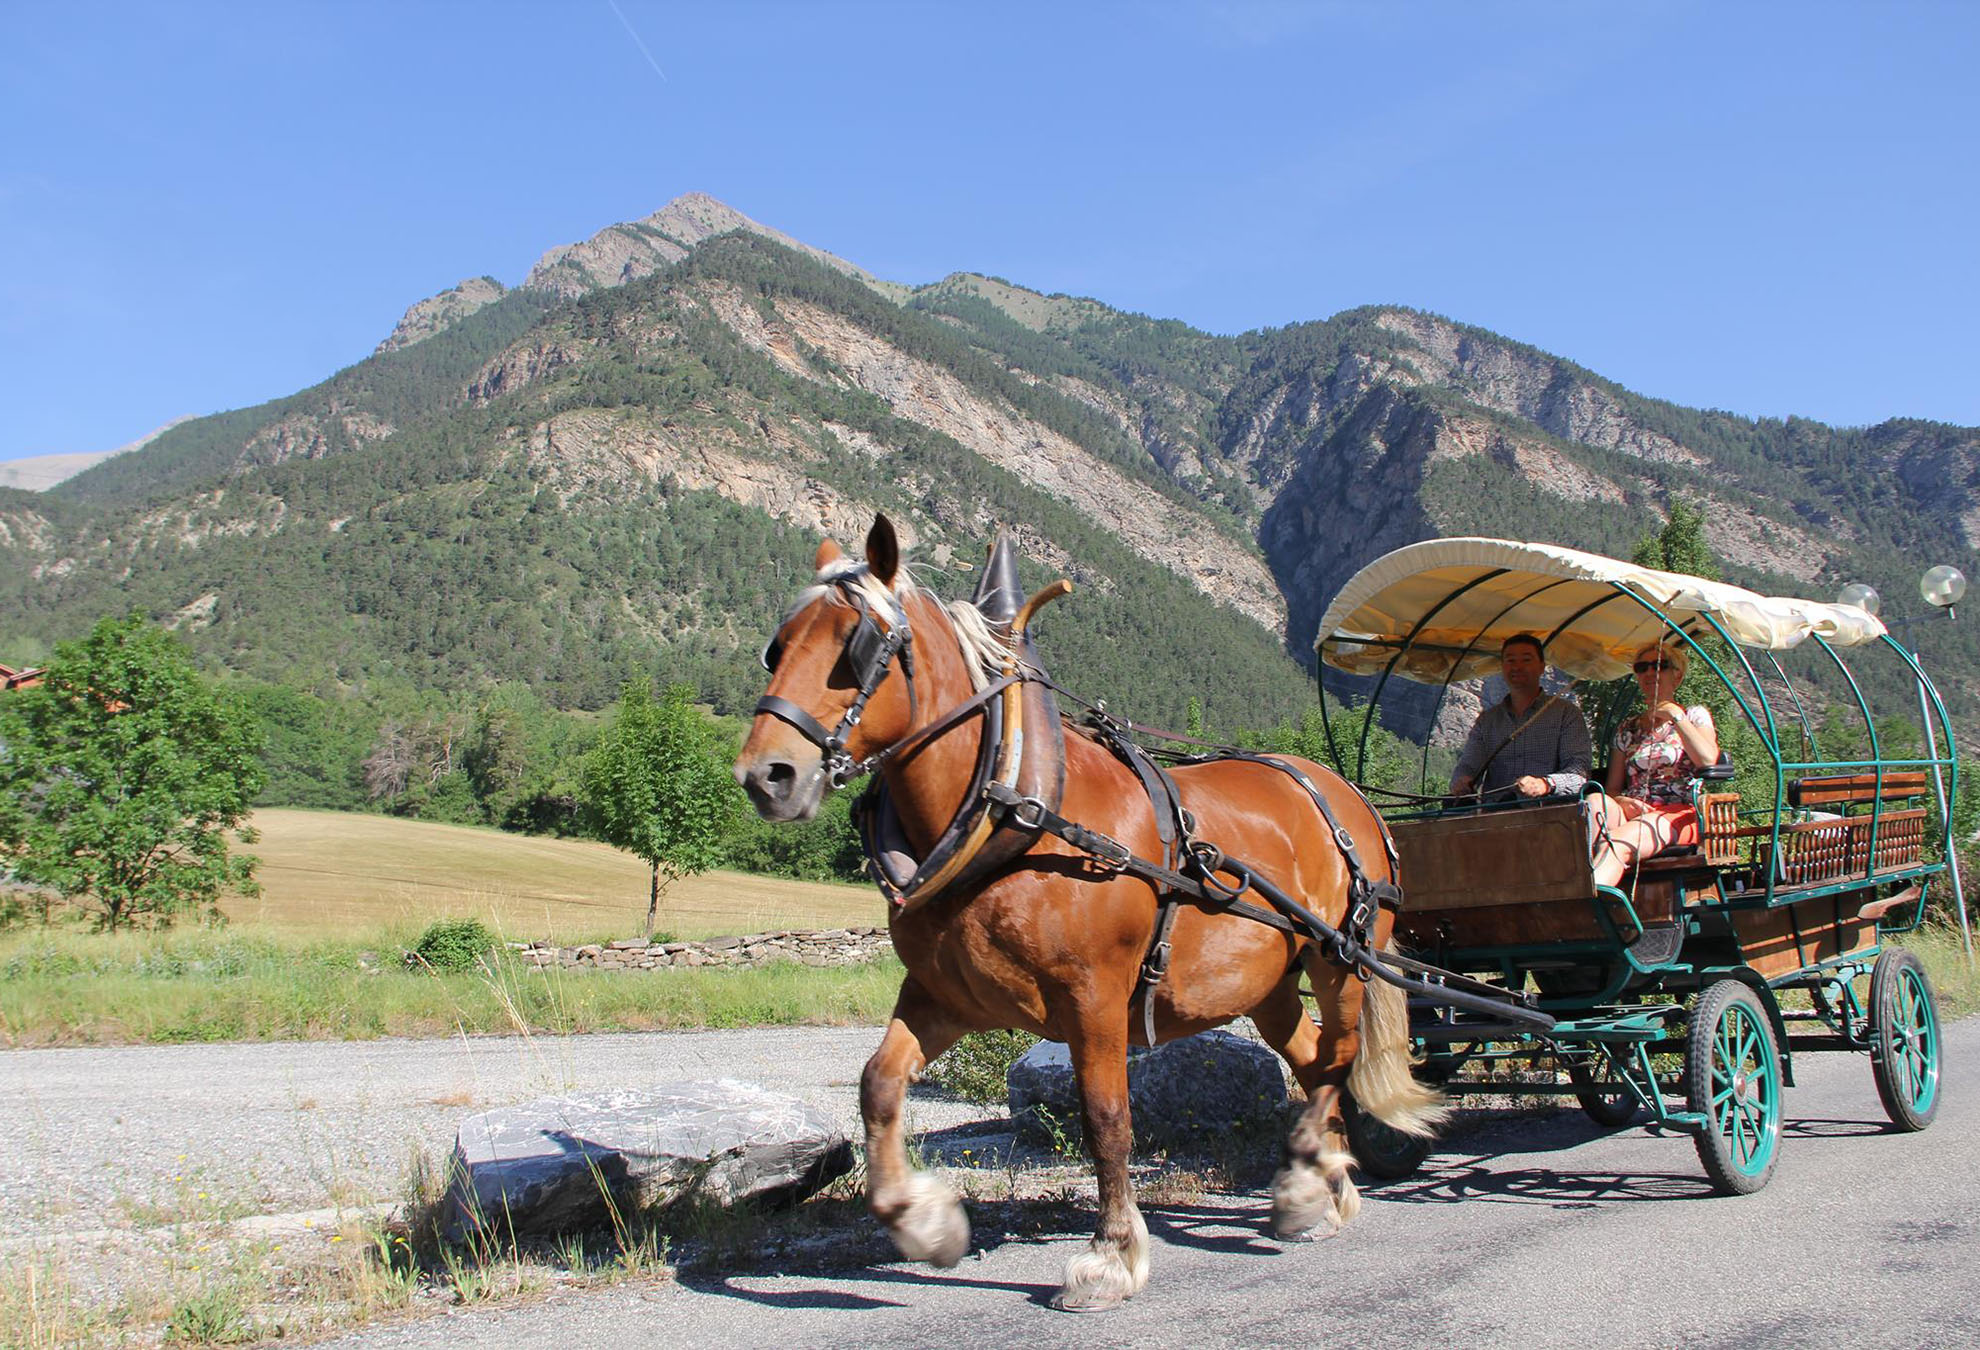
{"points": [[1904, 1039], [1381, 1150], [1732, 1043], [1610, 1110]]}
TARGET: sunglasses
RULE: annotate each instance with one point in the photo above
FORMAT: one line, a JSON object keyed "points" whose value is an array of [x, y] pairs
{"points": [[1643, 667]]}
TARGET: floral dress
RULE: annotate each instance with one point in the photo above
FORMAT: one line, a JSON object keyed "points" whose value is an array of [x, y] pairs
{"points": [[1655, 768]]}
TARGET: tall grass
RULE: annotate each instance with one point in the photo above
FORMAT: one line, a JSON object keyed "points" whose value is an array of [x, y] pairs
{"points": [[1955, 977], [70, 988]]}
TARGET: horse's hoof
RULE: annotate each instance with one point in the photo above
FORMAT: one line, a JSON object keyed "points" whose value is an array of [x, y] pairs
{"points": [[1294, 1235], [1302, 1201], [933, 1227], [1087, 1300], [1107, 1273]]}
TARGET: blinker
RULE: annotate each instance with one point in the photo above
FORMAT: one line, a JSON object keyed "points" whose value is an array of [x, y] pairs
{"points": [[867, 652]]}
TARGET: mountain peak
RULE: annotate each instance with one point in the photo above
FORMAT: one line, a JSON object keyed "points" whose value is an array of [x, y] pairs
{"points": [[625, 252]]}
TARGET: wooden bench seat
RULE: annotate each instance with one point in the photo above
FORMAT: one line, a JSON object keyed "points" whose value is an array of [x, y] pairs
{"points": [[1839, 846]]}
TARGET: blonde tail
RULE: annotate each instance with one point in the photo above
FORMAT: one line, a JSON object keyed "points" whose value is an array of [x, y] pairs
{"points": [[1380, 1079]]}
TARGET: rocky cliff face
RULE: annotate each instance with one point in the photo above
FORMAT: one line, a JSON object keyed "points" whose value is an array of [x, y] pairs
{"points": [[1159, 529]]}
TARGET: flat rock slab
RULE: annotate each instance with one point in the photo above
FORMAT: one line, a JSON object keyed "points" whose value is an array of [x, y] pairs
{"points": [[1185, 1094], [549, 1166]]}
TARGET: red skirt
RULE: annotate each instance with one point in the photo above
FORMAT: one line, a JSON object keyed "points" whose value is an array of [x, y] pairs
{"points": [[1680, 820]]}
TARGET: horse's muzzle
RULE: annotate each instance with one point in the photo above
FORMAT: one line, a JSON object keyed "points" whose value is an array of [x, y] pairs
{"points": [[781, 789]]}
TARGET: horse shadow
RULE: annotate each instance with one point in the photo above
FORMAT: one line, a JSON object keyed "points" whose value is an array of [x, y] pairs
{"points": [[841, 1300]]}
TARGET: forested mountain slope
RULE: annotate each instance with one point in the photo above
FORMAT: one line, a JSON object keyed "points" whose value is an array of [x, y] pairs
{"points": [[627, 470]]}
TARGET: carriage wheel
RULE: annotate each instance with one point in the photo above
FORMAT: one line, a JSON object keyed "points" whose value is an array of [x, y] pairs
{"points": [[1904, 1039], [1733, 1078], [1610, 1110], [1382, 1150]]}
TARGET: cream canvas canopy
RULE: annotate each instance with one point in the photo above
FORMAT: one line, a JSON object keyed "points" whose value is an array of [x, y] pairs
{"points": [[1469, 595]]}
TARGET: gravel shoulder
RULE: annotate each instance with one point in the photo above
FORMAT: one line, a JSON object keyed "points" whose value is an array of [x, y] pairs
{"points": [[102, 1139]]}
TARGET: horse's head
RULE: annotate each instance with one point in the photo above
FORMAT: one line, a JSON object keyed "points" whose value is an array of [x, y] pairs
{"points": [[830, 696]]}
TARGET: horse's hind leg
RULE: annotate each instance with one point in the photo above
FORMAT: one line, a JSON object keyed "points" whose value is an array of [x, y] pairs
{"points": [[1313, 1186], [1114, 1265], [922, 1215]]}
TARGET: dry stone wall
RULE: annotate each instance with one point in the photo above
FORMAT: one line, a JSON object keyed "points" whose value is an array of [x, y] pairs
{"points": [[831, 947]]}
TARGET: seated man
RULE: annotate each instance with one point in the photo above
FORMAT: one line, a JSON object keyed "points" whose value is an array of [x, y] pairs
{"points": [[1657, 755], [1528, 743]]}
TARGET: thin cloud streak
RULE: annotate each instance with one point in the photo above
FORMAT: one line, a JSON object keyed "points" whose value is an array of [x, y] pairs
{"points": [[636, 42]]}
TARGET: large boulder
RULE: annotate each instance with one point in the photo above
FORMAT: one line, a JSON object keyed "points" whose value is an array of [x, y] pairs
{"points": [[549, 1165], [1184, 1095]]}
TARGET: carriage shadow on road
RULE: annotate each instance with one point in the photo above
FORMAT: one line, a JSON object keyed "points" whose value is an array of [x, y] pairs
{"points": [[1446, 1182], [1837, 1129], [1467, 1172]]}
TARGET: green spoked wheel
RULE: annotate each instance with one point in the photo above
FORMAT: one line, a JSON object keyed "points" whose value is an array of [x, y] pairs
{"points": [[1381, 1150], [1733, 1077], [1904, 1039]]}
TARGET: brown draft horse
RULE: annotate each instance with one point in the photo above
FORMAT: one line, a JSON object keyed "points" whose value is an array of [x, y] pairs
{"points": [[1052, 944]]}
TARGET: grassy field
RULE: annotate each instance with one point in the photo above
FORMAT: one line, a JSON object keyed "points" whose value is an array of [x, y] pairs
{"points": [[318, 954], [326, 874], [69, 988]]}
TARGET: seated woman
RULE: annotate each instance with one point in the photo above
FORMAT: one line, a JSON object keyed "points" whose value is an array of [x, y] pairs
{"points": [[1647, 807]]}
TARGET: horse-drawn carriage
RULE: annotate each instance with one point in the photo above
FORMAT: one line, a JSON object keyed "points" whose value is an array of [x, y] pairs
{"points": [[1049, 874], [1669, 992]]}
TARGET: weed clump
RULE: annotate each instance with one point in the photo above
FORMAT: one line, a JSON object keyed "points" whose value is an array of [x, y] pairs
{"points": [[452, 944], [976, 1067]]}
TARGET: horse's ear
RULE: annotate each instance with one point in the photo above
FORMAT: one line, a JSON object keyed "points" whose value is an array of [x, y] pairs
{"points": [[828, 553], [883, 551]]}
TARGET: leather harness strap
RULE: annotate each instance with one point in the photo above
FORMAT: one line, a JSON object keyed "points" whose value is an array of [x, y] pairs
{"points": [[1171, 822], [1351, 944], [1286, 914]]}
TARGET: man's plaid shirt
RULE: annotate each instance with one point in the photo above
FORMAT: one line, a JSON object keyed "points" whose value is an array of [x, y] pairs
{"points": [[1554, 746]]}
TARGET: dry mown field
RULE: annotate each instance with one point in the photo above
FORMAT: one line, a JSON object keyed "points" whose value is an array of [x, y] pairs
{"points": [[326, 874]]}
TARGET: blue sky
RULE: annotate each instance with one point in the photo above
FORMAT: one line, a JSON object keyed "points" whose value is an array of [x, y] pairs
{"points": [[1770, 209]]}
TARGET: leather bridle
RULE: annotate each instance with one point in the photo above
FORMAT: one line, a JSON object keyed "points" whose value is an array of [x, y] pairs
{"points": [[868, 656]]}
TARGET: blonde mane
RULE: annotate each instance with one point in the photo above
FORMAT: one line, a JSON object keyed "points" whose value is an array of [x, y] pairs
{"points": [[984, 648]]}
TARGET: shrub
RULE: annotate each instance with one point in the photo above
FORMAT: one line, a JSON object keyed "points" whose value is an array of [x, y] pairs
{"points": [[975, 1068], [453, 944]]}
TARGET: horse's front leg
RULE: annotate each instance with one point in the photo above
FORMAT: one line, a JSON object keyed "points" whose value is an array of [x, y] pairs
{"points": [[922, 1215], [1114, 1265]]}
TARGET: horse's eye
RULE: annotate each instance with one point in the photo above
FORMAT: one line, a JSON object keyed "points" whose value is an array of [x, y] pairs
{"points": [[773, 652]]}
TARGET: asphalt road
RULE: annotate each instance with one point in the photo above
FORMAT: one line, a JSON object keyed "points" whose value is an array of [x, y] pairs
{"points": [[1536, 1231], [1524, 1231]]}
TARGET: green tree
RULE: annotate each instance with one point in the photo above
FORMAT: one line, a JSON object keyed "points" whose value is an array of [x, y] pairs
{"points": [[657, 785], [1679, 546], [1390, 765], [122, 777]]}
